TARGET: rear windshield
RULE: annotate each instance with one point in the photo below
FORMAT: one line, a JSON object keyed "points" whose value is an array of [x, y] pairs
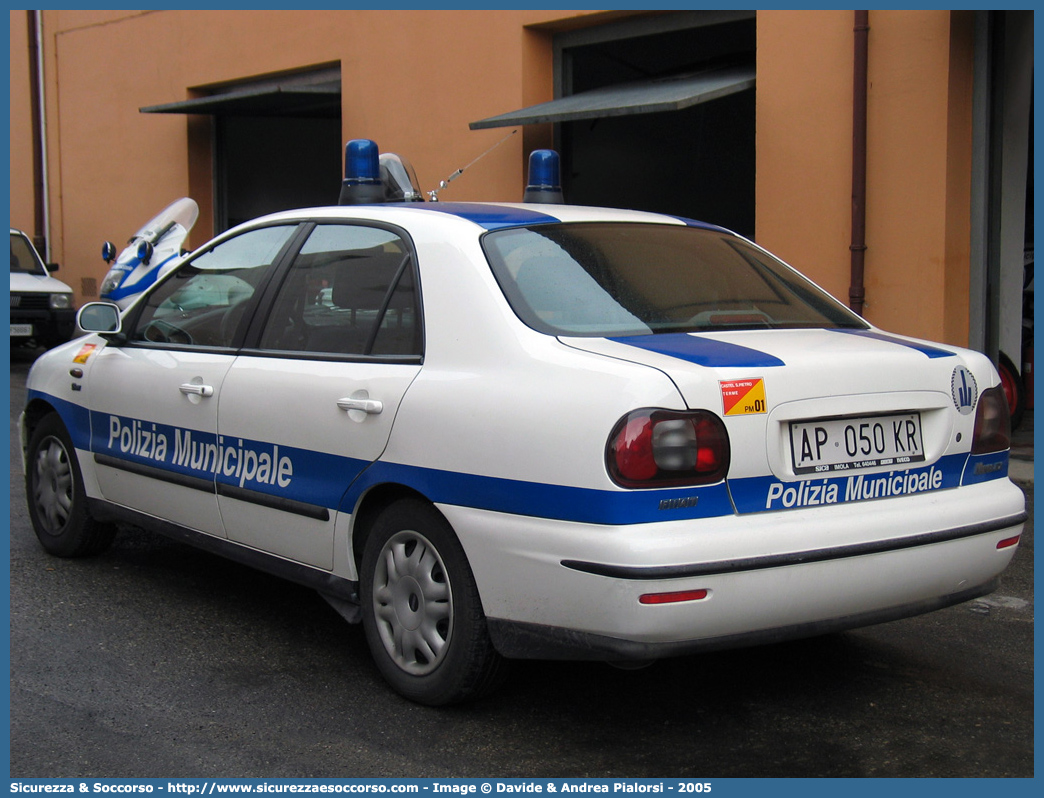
{"points": [[614, 279]]}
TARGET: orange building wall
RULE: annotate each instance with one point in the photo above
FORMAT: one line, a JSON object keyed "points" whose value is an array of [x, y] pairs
{"points": [[804, 142], [918, 162], [411, 80], [21, 127]]}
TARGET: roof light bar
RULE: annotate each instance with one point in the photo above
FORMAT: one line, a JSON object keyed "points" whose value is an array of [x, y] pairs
{"points": [[545, 178], [362, 174]]}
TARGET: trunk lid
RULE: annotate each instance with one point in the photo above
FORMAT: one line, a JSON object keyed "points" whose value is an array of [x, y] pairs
{"points": [[827, 405]]}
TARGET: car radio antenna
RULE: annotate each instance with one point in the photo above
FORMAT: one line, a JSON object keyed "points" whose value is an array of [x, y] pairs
{"points": [[434, 195]]}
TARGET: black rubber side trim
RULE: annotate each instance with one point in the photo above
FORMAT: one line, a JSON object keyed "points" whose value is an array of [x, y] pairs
{"points": [[208, 486], [644, 573], [532, 641], [142, 470], [325, 582], [275, 502]]}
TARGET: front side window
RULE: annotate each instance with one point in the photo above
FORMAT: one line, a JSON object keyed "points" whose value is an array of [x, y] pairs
{"points": [[202, 303], [618, 279], [350, 291], [24, 259]]}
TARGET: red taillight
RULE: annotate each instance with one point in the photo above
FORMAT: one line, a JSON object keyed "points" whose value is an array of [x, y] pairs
{"points": [[663, 448], [992, 423], [632, 453], [1007, 543], [672, 598]]}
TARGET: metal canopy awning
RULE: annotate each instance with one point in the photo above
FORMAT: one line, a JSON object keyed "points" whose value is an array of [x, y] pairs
{"points": [[284, 99], [641, 97]]}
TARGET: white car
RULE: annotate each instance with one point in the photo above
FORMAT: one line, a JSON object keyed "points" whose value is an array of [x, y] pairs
{"points": [[42, 309], [495, 431]]}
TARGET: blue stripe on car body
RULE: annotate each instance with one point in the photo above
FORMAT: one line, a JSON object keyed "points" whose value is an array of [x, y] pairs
{"points": [[492, 217], [767, 493], [75, 417], [320, 478], [338, 482], [701, 351], [924, 349], [558, 502]]}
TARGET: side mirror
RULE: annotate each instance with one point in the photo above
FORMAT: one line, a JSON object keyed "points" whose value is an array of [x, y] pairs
{"points": [[108, 252], [52, 268], [99, 317]]}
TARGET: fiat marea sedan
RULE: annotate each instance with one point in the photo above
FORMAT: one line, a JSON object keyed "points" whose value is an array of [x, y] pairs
{"points": [[532, 430]]}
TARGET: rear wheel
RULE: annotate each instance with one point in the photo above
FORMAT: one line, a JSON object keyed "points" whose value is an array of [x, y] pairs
{"points": [[421, 610], [55, 495]]}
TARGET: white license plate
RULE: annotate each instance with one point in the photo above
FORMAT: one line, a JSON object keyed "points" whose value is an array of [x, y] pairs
{"points": [[21, 330], [848, 444]]}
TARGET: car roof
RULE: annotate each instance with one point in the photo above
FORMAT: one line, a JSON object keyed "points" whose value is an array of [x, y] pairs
{"points": [[486, 215]]}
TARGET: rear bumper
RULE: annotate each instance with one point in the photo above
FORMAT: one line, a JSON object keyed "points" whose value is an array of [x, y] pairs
{"points": [[554, 589], [531, 641]]}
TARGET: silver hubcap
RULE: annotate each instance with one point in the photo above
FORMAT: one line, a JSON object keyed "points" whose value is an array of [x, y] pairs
{"points": [[412, 602], [53, 485]]}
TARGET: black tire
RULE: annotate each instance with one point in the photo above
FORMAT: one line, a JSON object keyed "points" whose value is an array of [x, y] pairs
{"points": [[1013, 389], [55, 496], [421, 610]]}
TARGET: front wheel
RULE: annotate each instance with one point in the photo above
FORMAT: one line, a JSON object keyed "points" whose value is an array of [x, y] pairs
{"points": [[421, 609], [55, 495]]}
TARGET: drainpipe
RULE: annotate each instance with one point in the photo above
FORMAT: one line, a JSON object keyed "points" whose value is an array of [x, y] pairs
{"points": [[41, 201], [857, 292]]}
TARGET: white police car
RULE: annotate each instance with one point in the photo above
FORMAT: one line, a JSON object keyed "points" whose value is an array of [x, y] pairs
{"points": [[527, 431]]}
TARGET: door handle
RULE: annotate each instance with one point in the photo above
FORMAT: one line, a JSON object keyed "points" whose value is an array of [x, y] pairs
{"points": [[193, 389], [370, 406]]}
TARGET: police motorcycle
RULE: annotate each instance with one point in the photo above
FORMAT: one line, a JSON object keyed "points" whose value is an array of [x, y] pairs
{"points": [[149, 253]]}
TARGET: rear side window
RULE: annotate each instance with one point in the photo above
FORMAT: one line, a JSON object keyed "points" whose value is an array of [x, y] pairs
{"points": [[599, 279], [350, 291]]}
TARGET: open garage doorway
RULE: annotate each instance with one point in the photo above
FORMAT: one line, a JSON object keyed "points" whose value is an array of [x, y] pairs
{"points": [[272, 143], [267, 164], [656, 113], [698, 161]]}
